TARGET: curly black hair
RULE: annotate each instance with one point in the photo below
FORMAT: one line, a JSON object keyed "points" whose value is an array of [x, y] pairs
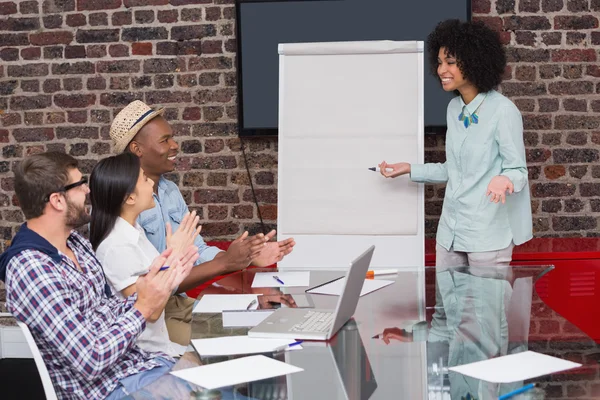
{"points": [[477, 49]]}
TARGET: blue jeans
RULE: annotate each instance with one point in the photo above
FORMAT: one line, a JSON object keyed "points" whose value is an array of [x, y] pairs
{"points": [[133, 383]]}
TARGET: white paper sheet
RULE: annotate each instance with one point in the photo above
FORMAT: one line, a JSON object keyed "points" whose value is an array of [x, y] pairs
{"points": [[515, 367], [236, 345], [335, 288], [235, 319], [289, 279], [232, 372], [216, 303]]}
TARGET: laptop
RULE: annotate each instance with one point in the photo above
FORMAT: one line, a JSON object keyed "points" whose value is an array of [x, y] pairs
{"points": [[318, 324]]}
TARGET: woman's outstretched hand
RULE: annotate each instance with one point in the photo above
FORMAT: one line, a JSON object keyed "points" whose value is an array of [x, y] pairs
{"points": [[498, 187], [394, 170]]}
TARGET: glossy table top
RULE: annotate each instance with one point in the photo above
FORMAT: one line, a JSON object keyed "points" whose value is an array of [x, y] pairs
{"points": [[480, 314]]}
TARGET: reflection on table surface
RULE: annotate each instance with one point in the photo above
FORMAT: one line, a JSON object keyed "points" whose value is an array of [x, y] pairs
{"points": [[404, 337]]}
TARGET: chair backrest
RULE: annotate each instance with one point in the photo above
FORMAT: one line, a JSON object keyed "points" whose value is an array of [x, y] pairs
{"points": [[39, 363]]}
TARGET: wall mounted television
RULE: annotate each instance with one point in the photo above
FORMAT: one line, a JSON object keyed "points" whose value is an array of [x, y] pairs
{"points": [[263, 24]]}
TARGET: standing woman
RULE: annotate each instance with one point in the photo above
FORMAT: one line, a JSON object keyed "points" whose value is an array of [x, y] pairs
{"points": [[120, 191], [487, 208]]}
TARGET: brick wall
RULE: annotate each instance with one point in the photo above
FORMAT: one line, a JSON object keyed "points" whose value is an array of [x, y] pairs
{"points": [[68, 66]]}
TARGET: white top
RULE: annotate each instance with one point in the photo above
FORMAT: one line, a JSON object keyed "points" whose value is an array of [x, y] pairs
{"points": [[125, 251]]}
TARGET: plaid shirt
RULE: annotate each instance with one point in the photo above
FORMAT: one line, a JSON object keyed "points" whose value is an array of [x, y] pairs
{"points": [[86, 339]]}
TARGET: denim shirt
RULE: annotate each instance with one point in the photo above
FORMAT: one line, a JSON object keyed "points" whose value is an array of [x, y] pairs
{"points": [[474, 155], [169, 206]]}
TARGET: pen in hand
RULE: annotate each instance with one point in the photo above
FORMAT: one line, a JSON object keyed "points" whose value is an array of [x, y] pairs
{"points": [[278, 280], [287, 346], [145, 272], [252, 303]]}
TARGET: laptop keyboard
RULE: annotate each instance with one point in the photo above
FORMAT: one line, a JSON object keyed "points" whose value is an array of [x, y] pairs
{"points": [[315, 322]]}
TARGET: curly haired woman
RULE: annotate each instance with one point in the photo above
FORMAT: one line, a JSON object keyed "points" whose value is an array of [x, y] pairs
{"points": [[487, 208]]}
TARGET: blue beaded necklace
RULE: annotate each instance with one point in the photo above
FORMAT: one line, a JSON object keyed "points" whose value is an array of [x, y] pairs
{"points": [[472, 118]]}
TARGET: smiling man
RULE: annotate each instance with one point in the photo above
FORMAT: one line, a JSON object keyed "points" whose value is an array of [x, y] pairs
{"points": [[144, 132]]}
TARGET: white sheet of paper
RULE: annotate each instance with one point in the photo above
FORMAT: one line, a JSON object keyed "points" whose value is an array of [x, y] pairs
{"points": [[216, 303], [289, 279], [335, 288], [235, 345], [232, 372], [515, 367], [235, 319]]}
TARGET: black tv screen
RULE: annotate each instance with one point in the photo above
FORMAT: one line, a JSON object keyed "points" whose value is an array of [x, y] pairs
{"points": [[263, 24]]}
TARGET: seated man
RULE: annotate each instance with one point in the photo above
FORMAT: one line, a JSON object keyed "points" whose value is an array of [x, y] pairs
{"points": [[145, 133], [55, 285]]}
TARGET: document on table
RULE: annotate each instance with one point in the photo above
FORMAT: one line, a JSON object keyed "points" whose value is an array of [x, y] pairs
{"points": [[335, 288], [235, 345], [514, 367], [216, 303], [289, 279], [244, 318], [232, 372]]}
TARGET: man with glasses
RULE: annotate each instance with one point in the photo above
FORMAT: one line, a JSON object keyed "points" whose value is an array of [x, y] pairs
{"points": [[56, 286]]}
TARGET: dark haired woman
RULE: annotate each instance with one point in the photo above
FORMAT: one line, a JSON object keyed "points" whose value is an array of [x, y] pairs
{"points": [[485, 153], [120, 191]]}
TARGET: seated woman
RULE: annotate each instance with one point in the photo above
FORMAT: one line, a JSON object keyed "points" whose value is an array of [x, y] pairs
{"points": [[120, 191]]}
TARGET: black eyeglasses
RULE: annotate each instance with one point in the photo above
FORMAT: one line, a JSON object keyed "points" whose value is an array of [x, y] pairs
{"points": [[83, 181]]}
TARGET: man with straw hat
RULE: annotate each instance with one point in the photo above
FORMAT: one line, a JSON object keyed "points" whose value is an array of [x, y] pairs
{"points": [[144, 132]]}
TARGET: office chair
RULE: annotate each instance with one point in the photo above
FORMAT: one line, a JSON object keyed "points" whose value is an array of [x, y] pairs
{"points": [[39, 363]]}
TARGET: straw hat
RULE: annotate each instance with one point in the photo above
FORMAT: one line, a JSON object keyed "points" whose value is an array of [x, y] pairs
{"points": [[129, 121]]}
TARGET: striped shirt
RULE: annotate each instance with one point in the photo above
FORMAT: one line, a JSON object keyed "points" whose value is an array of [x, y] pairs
{"points": [[86, 338]]}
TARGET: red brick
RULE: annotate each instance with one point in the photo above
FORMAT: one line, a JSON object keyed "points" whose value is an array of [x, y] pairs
{"points": [[8, 7], [74, 100], [31, 53], [212, 46], [575, 55], [33, 134], [139, 3], [141, 49], [192, 113], [575, 22], [48, 38], [217, 212], [167, 16], [88, 5], [188, 2], [118, 50], [122, 18], [268, 212], [75, 20], [553, 172]]}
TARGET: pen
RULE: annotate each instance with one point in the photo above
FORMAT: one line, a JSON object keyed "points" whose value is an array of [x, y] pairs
{"points": [[377, 169], [145, 272], [376, 272], [253, 302], [518, 391], [278, 280], [287, 346]]}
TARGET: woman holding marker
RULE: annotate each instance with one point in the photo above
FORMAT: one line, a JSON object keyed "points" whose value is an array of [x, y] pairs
{"points": [[119, 192], [487, 208]]}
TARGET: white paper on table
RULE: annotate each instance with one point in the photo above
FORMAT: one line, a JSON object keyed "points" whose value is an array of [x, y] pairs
{"points": [[232, 372], [289, 279], [244, 318], [216, 303], [335, 288], [236, 345], [514, 367]]}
